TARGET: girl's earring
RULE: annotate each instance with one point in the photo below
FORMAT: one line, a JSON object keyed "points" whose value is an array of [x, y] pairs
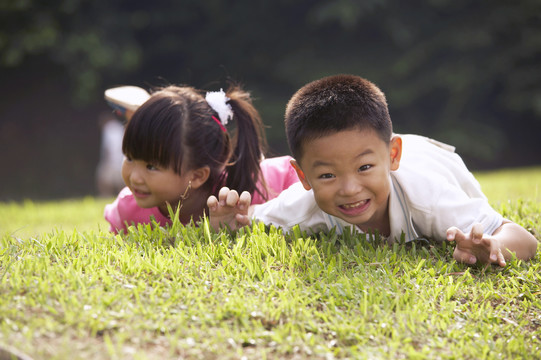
{"points": [[184, 196], [186, 192]]}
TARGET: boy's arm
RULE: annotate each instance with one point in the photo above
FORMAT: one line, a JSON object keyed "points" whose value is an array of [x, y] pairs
{"points": [[508, 239], [230, 209]]}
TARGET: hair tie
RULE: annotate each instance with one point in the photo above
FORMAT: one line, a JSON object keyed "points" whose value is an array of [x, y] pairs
{"points": [[218, 102], [219, 123]]}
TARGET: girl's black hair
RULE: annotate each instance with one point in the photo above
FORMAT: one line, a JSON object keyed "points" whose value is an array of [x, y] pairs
{"points": [[175, 129]]}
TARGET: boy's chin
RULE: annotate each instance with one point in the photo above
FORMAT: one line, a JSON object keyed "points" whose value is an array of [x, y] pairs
{"points": [[358, 221], [353, 220]]}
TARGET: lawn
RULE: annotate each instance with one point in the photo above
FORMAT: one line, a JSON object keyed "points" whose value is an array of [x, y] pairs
{"points": [[71, 290]]}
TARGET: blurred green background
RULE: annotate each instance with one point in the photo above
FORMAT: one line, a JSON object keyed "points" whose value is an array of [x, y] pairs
{"points": [[466, 72]]}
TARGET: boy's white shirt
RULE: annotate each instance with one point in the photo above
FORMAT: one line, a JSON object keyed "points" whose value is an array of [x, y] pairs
{"points": [[431, 191]]}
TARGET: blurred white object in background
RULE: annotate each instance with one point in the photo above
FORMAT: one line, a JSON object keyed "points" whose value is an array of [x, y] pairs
{"points": [[126, 99], [109, 170]]}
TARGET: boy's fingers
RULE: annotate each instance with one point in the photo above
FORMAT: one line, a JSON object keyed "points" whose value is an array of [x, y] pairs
{"points": [[464, 257], [501, 258], [496, 256], [477, 233], [451, 233]]}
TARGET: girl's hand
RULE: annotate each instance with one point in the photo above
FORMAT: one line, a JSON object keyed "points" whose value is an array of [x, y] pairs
{"points": [[476, 246], [229, 209]]}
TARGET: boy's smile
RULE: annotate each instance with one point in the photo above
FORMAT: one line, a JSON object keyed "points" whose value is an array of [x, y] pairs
{"points": [[355, 208], [349, 174]]}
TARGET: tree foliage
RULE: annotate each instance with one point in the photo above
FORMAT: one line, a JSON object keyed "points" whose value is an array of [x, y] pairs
{"points": [[464, 71]]}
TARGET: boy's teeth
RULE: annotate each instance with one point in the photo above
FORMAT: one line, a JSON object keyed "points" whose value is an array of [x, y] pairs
{"points": [[357, 204]]}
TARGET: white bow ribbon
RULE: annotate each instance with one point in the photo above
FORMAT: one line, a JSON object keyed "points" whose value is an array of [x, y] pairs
{"points": [[218, 102]]}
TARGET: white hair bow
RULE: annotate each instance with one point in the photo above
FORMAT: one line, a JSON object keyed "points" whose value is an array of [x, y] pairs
{"points": [[218, 102]]}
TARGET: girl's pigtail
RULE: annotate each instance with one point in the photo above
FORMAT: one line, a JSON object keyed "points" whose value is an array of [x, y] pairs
{"points": [[243, 172]]}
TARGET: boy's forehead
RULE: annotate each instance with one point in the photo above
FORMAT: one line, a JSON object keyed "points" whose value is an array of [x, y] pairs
{"points": [[360, 136]]}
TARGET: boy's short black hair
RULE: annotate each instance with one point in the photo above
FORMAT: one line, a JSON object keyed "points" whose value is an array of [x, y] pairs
{"points": [[335, 103]]}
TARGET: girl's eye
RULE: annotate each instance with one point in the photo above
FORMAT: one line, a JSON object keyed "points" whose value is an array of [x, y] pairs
{"points": [[365, 167], [128, 158], [151, 167], [326, 176]]}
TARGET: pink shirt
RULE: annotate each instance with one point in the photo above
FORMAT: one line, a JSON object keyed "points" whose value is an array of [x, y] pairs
{"points": [[277, 172]]}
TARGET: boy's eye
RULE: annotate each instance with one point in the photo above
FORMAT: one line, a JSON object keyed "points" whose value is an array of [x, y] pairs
{"points": [[151, 167], [365, 167], [128, 158], [326, 176]]}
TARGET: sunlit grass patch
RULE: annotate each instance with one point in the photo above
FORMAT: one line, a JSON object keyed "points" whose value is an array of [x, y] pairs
{"points": [[516, 194], [189, 292], [30, 218]]}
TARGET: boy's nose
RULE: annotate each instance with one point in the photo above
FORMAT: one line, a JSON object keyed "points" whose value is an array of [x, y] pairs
{"points": [[350, 187]]}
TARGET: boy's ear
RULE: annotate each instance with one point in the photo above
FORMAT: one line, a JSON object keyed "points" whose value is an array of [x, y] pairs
{"points": [[396, 151], [301, 175], [199, 176]]}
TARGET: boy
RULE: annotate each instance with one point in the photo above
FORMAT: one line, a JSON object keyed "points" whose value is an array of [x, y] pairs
{"points": [[356, 172]]}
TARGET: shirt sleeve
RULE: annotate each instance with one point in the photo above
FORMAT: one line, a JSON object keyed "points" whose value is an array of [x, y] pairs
{"points": [[438, 202], [440, 191], [294, 206], [455, 208]]}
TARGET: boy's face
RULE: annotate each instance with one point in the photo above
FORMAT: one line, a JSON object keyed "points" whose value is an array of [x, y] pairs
{"points": [[349, 173]]}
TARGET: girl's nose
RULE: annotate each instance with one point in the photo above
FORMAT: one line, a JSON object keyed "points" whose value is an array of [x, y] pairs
{"points": [[136, 176]]}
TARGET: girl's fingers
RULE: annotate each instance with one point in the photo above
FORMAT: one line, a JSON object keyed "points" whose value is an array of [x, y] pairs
{"points": [[222, 194], [245, 200], [212, 203], [243, 220], [232, 198]]}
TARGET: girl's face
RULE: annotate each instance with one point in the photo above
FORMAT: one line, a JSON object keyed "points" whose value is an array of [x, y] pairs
{"points": [[153, 185]]}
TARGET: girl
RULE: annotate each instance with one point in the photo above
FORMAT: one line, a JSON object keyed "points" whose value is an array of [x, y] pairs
{"points": [[178, 151]]}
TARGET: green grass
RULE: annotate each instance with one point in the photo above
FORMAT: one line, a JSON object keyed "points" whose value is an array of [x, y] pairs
{"points": [[32, 219], [512, 184], [71, 290]]}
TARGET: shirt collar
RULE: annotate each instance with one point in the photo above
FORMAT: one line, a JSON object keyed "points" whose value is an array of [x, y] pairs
{"points": [[400, 214]]}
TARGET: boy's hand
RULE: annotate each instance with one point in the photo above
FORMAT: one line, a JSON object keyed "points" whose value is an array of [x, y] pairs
{"points": [[229, 209], [476, 246]]}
